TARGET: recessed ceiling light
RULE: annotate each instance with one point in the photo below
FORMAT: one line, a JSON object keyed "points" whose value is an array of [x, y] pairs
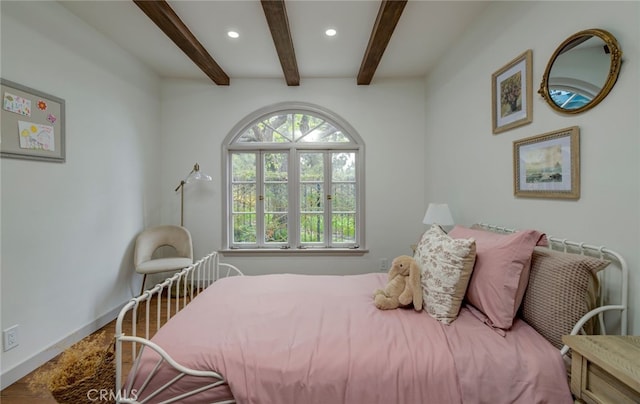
{"points": [[233, 34], [330, 32]]}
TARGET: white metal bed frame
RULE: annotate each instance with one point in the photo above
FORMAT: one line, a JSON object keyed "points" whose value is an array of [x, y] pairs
{"points": [[617, 261], [203, 273], [189, 282]]}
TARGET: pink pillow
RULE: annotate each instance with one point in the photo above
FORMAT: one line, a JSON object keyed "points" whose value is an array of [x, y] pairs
{"points": [[501, 271]]}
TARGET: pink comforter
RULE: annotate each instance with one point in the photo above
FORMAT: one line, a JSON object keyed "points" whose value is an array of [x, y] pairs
{"points": [[296, 339]]}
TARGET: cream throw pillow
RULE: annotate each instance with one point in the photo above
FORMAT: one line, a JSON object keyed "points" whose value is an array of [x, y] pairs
{"points": [[446, 266]]}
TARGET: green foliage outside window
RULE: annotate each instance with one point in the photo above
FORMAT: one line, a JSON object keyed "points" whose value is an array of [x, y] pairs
{"points": [[320, 199]]}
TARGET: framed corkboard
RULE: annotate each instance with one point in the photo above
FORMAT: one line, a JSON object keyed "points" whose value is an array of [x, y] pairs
{"points": [[32, 124]]}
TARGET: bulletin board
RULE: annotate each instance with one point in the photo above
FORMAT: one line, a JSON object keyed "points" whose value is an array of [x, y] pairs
{"points": [[32, 124]]}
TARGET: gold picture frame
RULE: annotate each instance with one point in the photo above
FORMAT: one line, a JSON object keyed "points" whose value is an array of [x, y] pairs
{"points": [[512, 94], [548, 165]]}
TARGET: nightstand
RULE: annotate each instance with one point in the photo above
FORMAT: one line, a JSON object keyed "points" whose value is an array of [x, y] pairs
{"points": [[605, 368]]}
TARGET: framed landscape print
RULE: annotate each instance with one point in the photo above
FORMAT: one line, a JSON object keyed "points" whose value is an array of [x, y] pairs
{"points": [[32, 124], [511, 90], [548, 165]]}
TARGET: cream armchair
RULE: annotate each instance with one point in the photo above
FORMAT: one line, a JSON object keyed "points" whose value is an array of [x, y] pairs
{"points": [[153, 238]]}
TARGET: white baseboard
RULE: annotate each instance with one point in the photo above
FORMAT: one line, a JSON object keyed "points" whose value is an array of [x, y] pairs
{"points": [[29, 365]]}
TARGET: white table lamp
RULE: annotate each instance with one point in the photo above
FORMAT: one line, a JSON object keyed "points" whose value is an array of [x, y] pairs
{"points": [[438, 213]]}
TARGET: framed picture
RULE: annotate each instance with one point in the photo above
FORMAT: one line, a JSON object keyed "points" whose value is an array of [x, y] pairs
{"points": [[548, 165], [512, 94], [32, 124]]}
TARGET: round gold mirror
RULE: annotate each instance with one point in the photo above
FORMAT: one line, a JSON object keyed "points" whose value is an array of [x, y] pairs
{"points": [[581, 71]]}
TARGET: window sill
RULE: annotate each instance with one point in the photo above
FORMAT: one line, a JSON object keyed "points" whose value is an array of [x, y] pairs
{"points": [[278, 252]]}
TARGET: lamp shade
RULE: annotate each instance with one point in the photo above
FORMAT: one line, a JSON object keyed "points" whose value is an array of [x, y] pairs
{"points": [[438, 213], [197, 175]]}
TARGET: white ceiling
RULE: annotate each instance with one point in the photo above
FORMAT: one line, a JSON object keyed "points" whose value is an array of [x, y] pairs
{"points": [[425, 30]]}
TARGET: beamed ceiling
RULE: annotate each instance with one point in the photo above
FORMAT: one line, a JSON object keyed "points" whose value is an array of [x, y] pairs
{"points": [[275, 12], [389, 38]]}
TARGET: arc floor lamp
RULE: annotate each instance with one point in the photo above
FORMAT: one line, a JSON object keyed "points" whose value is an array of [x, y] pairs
{"points": [[194, 175]]}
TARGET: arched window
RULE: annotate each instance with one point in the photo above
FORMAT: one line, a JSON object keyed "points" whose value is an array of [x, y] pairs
{"points": [[294, 180]]}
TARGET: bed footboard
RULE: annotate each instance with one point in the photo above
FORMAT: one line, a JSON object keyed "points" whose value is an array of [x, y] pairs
{"points": [[143, 316]]}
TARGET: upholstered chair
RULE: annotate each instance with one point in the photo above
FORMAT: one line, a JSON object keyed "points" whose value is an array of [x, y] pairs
{"points": [[149, 240]]}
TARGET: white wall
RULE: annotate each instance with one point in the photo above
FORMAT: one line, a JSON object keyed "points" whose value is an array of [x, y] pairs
{"points": [[68, 229], [388, 115], [478, 165], [131, 138]]}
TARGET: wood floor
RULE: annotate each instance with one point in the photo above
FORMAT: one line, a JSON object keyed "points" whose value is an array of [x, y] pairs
{"points": [[19, 393]]}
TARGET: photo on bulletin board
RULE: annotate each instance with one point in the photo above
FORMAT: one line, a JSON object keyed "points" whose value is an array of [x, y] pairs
{"points": [[32, 124]]}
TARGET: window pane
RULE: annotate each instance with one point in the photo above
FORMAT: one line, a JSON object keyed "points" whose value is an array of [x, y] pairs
{"points": [[311, 167], [244, 228], [244, 198], [276, 205], [337, 137], [250, 135], [276, 198], [343, 227], [311, 198], [258, 132], [312, 212], [343, 218], [311, 228], [324, 133], [304, 123], [343, 167], [343, 203], [266, 131], [243, 188], [344, 198], [243, 167], [282, 125], [275, 228], [276, 166]]}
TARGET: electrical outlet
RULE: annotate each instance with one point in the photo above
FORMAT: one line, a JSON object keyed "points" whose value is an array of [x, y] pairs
{"points": [[384, 264], [10, 337]]}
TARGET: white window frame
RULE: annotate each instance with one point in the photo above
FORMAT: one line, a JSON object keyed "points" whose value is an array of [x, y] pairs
{"points": [[294, 246]]}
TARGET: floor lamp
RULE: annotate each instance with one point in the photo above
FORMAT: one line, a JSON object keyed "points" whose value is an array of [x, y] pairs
{"points": [[194, 175]]}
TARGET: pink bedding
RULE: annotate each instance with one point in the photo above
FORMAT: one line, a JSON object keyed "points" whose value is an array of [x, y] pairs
{"points": [[319, 339]]}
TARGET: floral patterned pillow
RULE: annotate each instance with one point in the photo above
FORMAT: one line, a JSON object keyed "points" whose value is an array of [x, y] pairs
{"points": [[446, 265]]}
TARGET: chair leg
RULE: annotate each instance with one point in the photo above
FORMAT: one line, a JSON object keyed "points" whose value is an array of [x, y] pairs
{"points": [[144, 278]]}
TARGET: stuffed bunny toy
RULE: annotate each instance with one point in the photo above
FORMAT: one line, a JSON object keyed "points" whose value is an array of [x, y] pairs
{"points": [[403, 286]]}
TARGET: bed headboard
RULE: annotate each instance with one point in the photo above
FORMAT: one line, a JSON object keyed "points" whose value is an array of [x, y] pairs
{"points": [[607, 302]]}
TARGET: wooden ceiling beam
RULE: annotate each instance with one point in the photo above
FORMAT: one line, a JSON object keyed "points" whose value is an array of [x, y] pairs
{"points": [[161, 13], [276, 14], [388, 16]]}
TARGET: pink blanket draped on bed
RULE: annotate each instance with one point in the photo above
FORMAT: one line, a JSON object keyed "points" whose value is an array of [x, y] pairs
{"points": [[319, 339]]}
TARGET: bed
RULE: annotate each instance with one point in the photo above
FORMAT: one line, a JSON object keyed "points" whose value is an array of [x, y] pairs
{"points": [[286, 338]]}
